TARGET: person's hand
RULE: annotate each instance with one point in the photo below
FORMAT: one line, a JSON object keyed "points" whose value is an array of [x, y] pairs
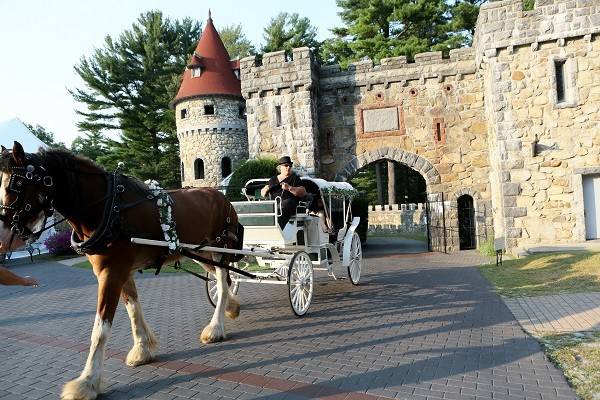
{"points": [[30, 281], [285, 186]]}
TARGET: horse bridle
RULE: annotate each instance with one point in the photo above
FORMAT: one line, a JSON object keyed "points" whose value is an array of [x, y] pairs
{"points": [[20, 179]]}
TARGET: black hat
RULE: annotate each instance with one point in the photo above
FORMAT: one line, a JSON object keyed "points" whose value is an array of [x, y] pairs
{"points": [[285, 160]]}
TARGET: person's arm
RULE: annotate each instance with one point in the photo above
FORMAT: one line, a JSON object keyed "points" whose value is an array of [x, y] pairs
{"points": [[9, 278], [297, 191], [264, 191]]}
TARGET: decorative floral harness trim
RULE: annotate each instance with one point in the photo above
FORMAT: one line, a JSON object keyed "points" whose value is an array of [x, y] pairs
{"points": [[165, 203]]}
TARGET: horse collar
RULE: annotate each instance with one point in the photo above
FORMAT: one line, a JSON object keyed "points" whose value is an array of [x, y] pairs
{"points": [[106, 232]]}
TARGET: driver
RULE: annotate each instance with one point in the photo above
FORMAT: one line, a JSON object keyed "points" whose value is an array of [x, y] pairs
{"points": [[286, 185]]}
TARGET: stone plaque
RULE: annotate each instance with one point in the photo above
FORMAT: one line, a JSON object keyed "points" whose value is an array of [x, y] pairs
{"points": [[380, 119]]}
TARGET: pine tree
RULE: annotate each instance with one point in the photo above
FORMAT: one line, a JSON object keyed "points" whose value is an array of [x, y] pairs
{"points": [[91, 145], [377, 29], [235, 41], [289, 31], [129, 83]]}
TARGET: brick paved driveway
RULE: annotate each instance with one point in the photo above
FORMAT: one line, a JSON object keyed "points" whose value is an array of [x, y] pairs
{"points": [[419, 326]]}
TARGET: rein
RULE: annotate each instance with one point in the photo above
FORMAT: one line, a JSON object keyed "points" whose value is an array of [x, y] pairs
{"points": [[36, 175]]}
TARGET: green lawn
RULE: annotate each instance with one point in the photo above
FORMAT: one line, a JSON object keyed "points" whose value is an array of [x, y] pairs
{"points": [[578, 356], [549, 273]]}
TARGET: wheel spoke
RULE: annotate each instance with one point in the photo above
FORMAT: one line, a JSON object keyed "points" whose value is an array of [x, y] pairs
{"points": [[302, 300], [294, 290]]}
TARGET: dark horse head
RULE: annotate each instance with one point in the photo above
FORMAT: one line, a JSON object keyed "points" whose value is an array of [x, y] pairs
{"points": [[26, 194]]}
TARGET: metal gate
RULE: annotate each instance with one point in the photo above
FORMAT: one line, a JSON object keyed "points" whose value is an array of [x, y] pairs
{"points": [[437, 239], [453, 226]]}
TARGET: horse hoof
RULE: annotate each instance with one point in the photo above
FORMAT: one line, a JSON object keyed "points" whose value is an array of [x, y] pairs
{"points": [[138, 355], [80, 389], [212, 334]]}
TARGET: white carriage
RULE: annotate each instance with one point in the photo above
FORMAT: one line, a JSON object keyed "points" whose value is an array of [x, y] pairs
{"points": [[321, 236]]}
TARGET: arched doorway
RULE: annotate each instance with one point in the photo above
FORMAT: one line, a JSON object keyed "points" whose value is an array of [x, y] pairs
{"points": [[391, 206], [466, 222]]}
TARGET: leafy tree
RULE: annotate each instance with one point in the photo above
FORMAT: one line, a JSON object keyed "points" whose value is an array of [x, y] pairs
{"points": [[464, 16], [377, 29], [44, 135], [410, 186], [92, 145], [288, 31], [236, 42], [129, 83]]}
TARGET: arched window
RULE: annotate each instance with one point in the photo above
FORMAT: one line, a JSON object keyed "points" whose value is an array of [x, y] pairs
{"points": [[225, 167], [199, 169], [182, 172]]}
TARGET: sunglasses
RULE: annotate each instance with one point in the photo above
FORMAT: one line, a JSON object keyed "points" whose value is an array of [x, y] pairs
{"points": [[286, 165]]}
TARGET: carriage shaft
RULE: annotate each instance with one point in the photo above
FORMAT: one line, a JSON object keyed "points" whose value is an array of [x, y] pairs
{"points": [[245, 252]]}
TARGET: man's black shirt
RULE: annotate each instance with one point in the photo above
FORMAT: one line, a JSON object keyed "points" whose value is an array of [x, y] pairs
{"points": [[276, 190]]}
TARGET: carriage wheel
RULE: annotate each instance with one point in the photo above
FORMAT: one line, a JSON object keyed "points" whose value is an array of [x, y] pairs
{"points": [[211, 284], [355, 265], [300, 283]]}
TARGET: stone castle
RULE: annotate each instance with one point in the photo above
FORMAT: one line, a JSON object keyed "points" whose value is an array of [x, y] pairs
{"points": [[512, 122]]}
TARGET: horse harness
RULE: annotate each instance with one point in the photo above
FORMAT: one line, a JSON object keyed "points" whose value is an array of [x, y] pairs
{"points": [[110, 227], [20, 178]]}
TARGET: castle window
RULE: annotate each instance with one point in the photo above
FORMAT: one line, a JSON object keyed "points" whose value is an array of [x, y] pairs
{"points": [[439, 131], [277, 115], [198, 169], [182, 173], [225, 167], [242, 111], [183, 113], [559, 72], [196, 72], [209, 109]]}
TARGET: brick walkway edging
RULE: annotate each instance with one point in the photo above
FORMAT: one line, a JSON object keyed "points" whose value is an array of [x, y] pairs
{"points": [[562, 313]]}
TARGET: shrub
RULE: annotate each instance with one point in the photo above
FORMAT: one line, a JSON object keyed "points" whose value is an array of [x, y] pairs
{"points": [[59, 243], [251, 169]]}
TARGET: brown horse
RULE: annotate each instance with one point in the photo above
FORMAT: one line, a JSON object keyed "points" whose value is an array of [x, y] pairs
{"points": [[105, 210]]}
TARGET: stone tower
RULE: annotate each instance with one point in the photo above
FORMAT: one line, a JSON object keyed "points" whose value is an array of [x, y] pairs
{"points": [[210, 114]]}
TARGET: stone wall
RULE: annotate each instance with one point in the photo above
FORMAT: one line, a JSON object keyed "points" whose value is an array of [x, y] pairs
{"points": [[428, 92], [210, 137], [278, 85], [467, 123], [535, 196], [398, 218]]}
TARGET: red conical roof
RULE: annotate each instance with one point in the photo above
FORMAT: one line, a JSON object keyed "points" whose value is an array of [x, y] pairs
{"points": [[216, 76]]}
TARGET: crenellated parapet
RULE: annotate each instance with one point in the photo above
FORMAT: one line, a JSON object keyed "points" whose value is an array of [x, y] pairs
{"points": [[430, 65], [278, 71], [504, 24]]}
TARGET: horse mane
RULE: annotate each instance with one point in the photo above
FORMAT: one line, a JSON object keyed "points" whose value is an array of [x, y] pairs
{"points": [[64, 159]]}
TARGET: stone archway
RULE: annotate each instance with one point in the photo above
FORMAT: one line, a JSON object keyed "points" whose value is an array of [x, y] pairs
{"points": [[414, 161], [473, 193]]}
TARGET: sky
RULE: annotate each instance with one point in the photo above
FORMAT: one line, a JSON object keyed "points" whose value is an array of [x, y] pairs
{"points": [[41, 41]]}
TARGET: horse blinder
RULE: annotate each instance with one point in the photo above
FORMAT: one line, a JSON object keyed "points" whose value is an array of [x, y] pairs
{"points": [[17, 184]]}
